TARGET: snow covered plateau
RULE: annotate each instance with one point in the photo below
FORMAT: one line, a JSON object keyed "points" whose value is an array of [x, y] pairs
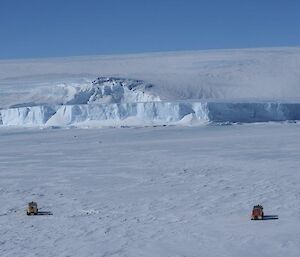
{"points": [[145, 155]]}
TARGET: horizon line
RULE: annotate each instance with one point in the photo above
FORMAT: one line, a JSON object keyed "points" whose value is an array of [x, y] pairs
{"points": [[144, 53]]}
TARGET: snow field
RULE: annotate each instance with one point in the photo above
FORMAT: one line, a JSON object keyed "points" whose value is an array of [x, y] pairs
{"points": [[271, 73], [176, 191]]}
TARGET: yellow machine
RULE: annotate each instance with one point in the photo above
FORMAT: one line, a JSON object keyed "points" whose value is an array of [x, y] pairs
{"points": [[32, 208]]}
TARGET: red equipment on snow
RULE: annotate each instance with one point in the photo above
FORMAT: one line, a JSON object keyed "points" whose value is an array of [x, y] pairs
{"points": [[257, 213]]}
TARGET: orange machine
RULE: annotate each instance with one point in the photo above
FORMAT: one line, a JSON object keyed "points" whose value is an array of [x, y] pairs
{"points": [[257, 213]]}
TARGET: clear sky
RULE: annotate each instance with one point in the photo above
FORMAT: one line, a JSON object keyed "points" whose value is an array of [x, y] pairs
{"points": [[52, 28]]}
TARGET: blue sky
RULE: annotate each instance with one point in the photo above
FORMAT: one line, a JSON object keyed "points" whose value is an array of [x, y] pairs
{"points": [[53, 28]]}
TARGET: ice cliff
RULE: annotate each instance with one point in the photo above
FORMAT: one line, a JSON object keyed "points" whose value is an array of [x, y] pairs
{"points": [[148, 113], [111, 101]]}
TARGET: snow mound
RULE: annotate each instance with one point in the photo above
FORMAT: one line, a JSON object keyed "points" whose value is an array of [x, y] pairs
{"points": [[102, 90], [149, 113]]}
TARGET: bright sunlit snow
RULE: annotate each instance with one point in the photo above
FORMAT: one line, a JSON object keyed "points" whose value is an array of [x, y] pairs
{"points": [[151, 154], [250, 85], [151, 191]]}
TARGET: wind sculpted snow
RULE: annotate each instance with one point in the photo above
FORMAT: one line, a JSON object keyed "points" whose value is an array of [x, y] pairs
{"points": [[140, 192]]}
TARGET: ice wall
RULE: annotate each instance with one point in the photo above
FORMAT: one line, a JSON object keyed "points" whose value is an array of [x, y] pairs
{"points": [[146, 113], [253, 111], [65, 115], [27, 116], [155, 112]]}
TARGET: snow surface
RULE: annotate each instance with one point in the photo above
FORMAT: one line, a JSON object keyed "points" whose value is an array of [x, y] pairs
{"points": [[271, 73], [102, 90], [149, 189], [168, 191]]}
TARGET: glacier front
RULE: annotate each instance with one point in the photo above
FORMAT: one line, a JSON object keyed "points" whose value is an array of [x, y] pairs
{"points": [[149, 113]]}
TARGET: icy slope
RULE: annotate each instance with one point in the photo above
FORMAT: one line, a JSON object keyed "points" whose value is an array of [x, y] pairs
{"points": [[271, 73]]}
